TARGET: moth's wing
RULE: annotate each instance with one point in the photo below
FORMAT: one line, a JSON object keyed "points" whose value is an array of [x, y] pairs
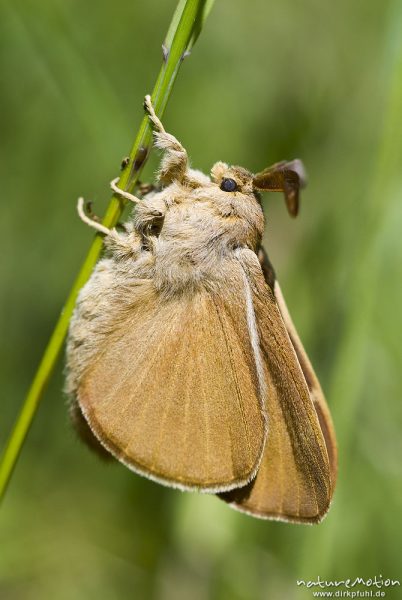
{"points": [[174, 395], [84, 431], [316, 393], [293, 482]]}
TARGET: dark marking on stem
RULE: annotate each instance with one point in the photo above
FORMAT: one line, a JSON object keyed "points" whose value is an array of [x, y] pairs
{"points": [[124, 163], [139, 159], [137, 163], [165, 53], [184, 55]]}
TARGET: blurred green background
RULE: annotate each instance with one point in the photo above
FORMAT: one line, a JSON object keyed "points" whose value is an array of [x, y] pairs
{"points": [[266, 81]]}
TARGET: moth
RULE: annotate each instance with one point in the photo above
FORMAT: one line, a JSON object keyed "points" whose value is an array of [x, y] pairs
{"points": [[182, 360]]}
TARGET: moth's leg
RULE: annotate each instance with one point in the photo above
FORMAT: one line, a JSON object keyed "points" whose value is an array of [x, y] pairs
{"points": [[149, 217], [91, 222], [122, 193], [174, 164], [113, 238]]}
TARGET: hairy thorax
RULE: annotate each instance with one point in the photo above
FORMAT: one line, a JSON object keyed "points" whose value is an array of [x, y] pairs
{"points": [[192, 233]]}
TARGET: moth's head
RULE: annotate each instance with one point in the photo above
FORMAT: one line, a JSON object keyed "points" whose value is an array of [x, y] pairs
{"points": [[286, 176], [232, 180], [235, 195]]}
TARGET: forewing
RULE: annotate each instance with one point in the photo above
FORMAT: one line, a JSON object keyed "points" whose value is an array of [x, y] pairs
{"points": [[293, 482], [175, 394], [316, 393]]}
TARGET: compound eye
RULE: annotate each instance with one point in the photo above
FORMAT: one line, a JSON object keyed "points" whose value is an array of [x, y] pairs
{"points": [[228, 185]]}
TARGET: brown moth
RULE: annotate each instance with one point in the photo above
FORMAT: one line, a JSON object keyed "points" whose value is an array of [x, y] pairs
{"points": [[182, 360]]}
